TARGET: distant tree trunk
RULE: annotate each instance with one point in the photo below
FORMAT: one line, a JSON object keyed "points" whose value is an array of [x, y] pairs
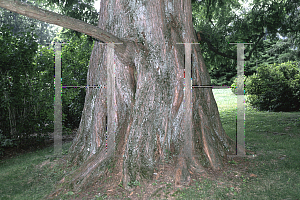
{"points": [[11, 116], [149, 98]]}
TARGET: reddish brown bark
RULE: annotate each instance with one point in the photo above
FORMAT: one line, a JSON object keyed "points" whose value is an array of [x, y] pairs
{"points": [[149, 98]]}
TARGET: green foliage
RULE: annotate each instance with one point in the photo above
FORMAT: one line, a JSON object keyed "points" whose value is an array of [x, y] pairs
{"points": [[44, 89], [27, 86], [221, 75], [17, 72], [271, 51], [5, 142], [215, 19], [221, 22], [75, 62], [275, 87], [43, 32], [234, 85], [79, 9]]}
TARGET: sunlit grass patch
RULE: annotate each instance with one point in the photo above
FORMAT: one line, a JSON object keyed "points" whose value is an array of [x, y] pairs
{"points": [[275, 172]]}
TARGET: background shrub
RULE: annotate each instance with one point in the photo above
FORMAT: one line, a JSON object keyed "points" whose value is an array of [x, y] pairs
{"points": [[275, 87], [4, 142]]}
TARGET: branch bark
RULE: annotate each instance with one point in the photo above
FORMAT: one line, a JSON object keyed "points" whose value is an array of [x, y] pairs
{"points": [[71, 23]]}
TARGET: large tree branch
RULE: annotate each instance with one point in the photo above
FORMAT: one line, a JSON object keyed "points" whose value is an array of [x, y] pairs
{"points": [[71, 23], [212, 48], [58, 19], [256, 43], [216, 51]]}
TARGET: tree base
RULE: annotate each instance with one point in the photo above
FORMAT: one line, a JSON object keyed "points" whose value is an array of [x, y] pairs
{"points": [[162, 182], [166, 173]]}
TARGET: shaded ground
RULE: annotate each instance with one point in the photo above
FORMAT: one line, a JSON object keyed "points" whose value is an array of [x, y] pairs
{"points": [[162, 186], [10, 152]]}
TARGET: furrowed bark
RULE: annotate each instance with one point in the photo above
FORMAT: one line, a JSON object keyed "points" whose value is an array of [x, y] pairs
{"points": [[149, 96], [150, 118]]}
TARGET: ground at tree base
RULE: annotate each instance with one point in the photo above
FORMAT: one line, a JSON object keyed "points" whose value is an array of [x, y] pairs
{"points": [[161, 187], [11, 152], [163, 184]]}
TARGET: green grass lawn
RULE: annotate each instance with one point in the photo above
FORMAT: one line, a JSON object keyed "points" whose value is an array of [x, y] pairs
{"points": [[274, 172], [275, 138], [30, 176]]}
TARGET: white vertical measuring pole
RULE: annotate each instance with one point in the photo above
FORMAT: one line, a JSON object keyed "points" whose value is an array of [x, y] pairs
{"points": [[57, 102], [240, 135], [240, 101]]}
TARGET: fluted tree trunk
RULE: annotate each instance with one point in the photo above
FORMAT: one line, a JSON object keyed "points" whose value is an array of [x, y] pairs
{"points": [[149, 113], [149, 98]]}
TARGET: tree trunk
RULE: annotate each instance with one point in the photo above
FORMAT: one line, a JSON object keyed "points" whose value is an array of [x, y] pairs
{"points": [[149, 118], [149, 97]]}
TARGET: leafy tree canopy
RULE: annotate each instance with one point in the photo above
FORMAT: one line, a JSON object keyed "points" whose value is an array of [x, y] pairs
{"points": [[219, 22]]}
